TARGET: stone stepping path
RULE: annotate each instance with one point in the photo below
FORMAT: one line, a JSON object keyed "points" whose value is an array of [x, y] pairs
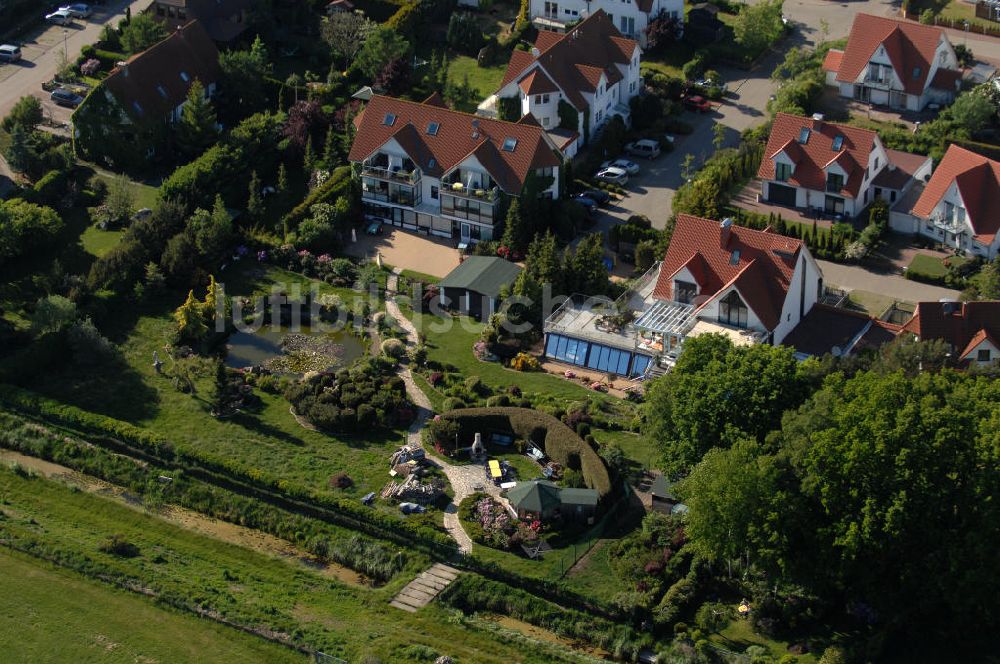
{"points": [[419, 592]]}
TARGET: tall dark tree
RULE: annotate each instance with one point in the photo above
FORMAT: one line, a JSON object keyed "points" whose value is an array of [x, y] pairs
{"points": [[196, 130], [255, 203]]}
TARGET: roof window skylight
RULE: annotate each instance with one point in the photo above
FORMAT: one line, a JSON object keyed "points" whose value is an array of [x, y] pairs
{"points": [[804, 135], [509, 144], [838, 143], [432, 129], [389, 119]]}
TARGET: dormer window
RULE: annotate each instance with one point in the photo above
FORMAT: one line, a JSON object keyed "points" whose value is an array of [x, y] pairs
{"points": [[389, 119], [838, 143], [804, 134], [782, 171], [432, 129], [509, 144], [685, 292], [834, 182]]}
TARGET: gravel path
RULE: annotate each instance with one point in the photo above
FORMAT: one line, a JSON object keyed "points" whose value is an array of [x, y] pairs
{"points": [[463, 478]]}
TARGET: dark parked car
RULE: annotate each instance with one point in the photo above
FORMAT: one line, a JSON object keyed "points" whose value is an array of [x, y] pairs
{"points": [[597, 195], [588, 203], [65, 98]]}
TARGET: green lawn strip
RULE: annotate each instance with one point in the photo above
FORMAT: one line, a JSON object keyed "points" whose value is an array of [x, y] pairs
{"points": [[636, 447], [930, 265], [189, 570], [872, 303], [593, 576], [54, 615], [144, 196]]}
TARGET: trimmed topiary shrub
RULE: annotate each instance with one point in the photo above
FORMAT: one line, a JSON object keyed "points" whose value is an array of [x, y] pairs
{"points": [[556, 439]]}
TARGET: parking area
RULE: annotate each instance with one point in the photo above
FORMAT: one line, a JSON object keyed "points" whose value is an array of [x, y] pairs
{"points": [[42, 49]]}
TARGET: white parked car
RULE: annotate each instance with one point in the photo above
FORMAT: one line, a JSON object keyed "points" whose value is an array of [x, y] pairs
{"points": [[630, 167], [59, 17], [77, 10], [613, 175], [647, 148]]}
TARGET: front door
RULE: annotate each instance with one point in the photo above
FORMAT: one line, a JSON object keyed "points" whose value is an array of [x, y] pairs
{"points": [[466, 232]]}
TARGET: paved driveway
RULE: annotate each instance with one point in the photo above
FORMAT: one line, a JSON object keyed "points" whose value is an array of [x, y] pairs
{"points": [[850, 277], [42, 49], [651, 192]]}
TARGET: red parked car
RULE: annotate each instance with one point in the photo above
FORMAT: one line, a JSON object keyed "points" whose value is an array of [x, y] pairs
{"points": [[698, 103]]}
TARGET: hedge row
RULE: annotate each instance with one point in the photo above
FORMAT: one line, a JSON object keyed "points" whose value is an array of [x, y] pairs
{"points": [[556, 439], [153, 448], [472, 593], [335, 186], [378, 561]]}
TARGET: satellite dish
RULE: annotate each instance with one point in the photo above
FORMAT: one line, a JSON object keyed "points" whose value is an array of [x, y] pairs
{"points": [[836, 351]]}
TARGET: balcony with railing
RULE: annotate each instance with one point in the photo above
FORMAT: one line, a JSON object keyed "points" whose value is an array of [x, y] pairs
{"points": [[391, 169], [491, 195], [373, 189], [481, 210]]}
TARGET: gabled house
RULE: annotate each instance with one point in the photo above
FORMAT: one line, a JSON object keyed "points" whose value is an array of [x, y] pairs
{"points": [[899, 64], [631, 17], [125, 120], [428, 168], [571, 83], [223, 20], [958, 206], [971, 329], [812, 164], [752, 286]]}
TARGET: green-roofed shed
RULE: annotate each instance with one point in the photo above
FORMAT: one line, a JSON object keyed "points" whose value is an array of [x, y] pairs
{"points": [[541, 499], [474, 286], [663, 498]]}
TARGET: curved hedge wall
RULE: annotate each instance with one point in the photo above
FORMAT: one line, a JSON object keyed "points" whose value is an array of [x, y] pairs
{"points": [[556, 439]]}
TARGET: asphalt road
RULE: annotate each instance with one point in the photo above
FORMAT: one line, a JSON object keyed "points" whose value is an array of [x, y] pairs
{"points": [[42, 49]]}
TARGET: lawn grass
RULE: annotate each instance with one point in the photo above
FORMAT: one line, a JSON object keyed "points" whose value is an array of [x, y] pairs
{"points": [[450, 341], [738, 636], [144, 195], [484, 81], [97, 242], [53, 615], [637, 448], [240, 584], [268, 439], [873, 303], [929, 265]]}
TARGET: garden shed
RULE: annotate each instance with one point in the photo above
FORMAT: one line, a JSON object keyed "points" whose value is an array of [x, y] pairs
{"points": [[474, 286], [663, 498], [542, 500]]}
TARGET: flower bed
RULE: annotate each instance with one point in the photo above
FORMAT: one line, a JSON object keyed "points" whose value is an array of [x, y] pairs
{"points": [[490, 523]]}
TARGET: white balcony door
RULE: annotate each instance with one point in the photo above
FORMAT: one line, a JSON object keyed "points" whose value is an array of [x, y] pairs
{"points": [[466, 232]]}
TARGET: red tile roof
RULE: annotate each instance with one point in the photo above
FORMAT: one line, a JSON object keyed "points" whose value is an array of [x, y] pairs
{"points": [[957, 323], [536, 83], [576, 60], [761, 272], [978, 338], [832, 60], [824, 327], [455, 140], [909, 46], [156, 81], [811, 158], [978, 180]]}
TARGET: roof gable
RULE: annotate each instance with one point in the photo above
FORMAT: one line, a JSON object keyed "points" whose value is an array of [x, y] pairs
{"points": [[575, 61], [978, 181], [759, 264], [954, 322], [817, 153], [458, 136], [154, 82], [909, 46]]}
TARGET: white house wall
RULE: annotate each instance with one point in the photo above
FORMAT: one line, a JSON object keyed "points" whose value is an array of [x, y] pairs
{"points": [[794, 306], [710, 311]]}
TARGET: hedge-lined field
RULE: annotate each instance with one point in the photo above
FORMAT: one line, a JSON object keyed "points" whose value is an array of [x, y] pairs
{"points": [[193, 573]]}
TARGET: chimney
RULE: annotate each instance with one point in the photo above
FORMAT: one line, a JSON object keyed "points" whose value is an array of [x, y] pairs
{"points": [[535, 52], [818, 121], [475, 128], [726, 229]]}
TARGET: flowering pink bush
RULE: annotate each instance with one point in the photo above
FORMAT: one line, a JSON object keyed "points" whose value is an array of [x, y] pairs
{"points": [[435, 378], [325, 258], [90, 67], [480, 349], [496, 522]]}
